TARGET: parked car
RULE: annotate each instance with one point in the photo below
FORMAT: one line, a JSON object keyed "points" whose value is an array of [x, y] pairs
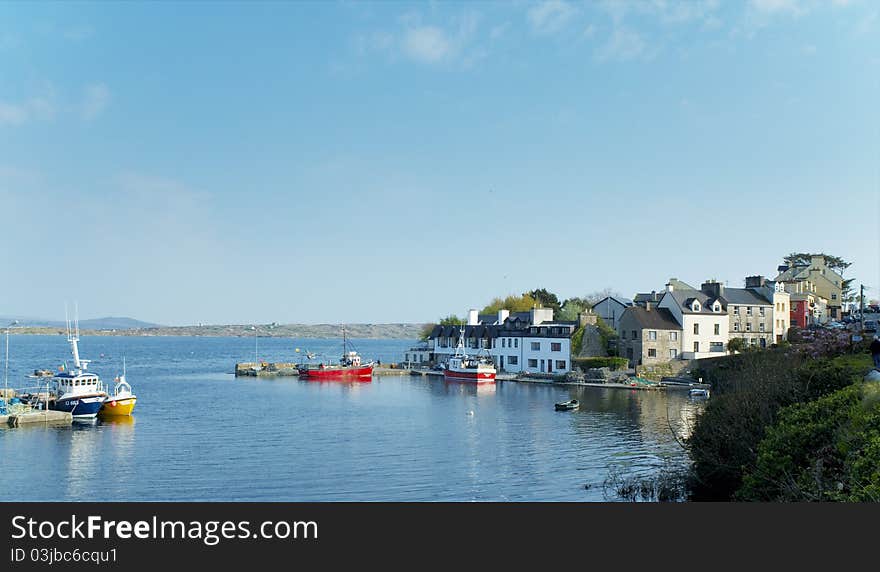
{"points": [[871, 325]]}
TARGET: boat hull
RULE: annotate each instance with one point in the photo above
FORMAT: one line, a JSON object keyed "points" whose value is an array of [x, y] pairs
{"points": [[358, 373], [469, 376], [81, 406], [118, 407]]}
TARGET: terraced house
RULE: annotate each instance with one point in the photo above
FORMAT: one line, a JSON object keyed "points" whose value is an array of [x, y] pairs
{"points": [[520, 342], [817, 279], [648, 335]]}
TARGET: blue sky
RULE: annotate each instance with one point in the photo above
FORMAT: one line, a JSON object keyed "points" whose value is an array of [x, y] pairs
{"points": [[394, 162]]}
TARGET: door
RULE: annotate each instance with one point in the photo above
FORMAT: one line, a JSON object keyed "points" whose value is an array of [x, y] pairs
{"points": [[502, 362], [549, 366]]}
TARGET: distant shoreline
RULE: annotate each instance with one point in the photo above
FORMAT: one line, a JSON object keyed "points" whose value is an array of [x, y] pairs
{"points": [[361, 331]]}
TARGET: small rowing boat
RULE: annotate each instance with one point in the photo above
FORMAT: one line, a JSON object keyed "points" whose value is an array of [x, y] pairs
{"points": [[568, 405]]}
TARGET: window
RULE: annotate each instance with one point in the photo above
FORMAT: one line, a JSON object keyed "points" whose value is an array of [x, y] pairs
{"points": [[673, 353], [536, 346], [761, 311], [736, 310], [560, 364], [834, 296], [556, 347], [623, 334], [635, 334], [516, 342], [717, 307], [696, 306], [652, 335], [748, 326], [761, 327], [512, 360], [503, 342], [748, 310], [696, 347], [533, 363], [696, 329], [736, 326], [673, 336], [652, 352], [717, 329]]}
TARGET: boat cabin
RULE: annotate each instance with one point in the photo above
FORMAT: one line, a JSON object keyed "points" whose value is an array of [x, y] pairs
{"points": [[69, 383]]}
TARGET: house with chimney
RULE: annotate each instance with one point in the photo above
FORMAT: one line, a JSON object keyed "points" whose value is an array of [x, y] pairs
{"points": [[530, 342], [703, 318], [818, 279], [760, 313], [649, 335]]}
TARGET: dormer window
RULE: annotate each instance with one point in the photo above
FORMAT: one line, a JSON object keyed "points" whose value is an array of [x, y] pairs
{"points": [[716, 307], [695, 306]]}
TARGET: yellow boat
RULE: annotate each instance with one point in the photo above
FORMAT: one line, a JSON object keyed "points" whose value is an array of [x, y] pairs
{"points": [[121, 402]]}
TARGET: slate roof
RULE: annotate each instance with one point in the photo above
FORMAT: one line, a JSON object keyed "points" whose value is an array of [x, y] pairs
{"points": [[656, 319]]}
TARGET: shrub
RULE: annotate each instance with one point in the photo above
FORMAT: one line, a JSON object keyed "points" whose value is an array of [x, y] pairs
{"points": [[827, 449]]}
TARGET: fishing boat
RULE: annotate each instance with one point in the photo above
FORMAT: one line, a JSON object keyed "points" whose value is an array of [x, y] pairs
{"points": [[568, 405], [470, 369], [350, 367], [77, 391], [121, 401]]}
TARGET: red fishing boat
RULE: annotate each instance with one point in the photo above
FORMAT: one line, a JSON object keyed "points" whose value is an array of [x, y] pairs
{"points": [[469, 369], [349, 368]]}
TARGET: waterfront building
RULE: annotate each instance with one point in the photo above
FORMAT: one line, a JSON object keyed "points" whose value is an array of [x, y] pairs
{"points": [[529, 342], [703, 319], [760, 313], [815, 278], [611, 308], [649, 335]]}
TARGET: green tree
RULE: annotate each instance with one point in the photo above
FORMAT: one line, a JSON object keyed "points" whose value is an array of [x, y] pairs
{"points": [[571, 308], [835, 262], [736, 345], [512, 303], [546, 298], [450, 320]]}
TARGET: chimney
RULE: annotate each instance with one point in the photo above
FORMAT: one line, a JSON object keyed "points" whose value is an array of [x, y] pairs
{"points": [[669, 287], [648, 305], [755, 281], [503, 315], [586, 317], [712, 288], [473, 318]]}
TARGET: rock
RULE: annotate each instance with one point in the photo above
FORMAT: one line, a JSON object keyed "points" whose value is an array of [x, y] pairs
{"points": [[873, 375]]}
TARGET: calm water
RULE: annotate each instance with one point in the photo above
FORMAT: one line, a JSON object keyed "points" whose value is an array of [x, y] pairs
{"points": [[199, 433]]}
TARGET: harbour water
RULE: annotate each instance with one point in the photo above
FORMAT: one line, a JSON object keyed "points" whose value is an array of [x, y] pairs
{"points": [[200, 434]]}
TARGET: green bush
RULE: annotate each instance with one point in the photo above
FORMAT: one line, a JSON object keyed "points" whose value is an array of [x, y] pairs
{"points": [[614, 363], [577, 341], [823, 450], [749, 390]]}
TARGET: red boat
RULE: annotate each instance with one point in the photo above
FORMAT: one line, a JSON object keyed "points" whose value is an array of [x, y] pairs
{"points": [[469, 369], [349, 367]]}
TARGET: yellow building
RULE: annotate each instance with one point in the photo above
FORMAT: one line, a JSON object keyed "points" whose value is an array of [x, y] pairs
{"points": [[815, 278]]}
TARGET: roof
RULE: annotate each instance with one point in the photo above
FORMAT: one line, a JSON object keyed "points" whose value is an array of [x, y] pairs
{"points": [[648, 296], [679, 285], [656, 319], [745, 296], [618, 299], [685, 299]]}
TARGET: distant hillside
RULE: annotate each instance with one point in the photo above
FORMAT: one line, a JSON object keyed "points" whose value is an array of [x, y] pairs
{"points": [[395, 331], [110, 323]]}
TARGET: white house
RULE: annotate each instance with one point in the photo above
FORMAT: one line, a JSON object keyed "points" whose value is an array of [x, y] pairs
{"points": [[703, 319], [519, 342]]}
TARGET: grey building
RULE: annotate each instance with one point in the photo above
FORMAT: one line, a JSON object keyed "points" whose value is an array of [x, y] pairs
{"points": [[649, 335]]}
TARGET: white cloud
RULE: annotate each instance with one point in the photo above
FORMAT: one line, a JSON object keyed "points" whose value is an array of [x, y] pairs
{"points": [[34, 109], [776, 6], [623, 45], [550, 16], [427, 44], [96, 99]]}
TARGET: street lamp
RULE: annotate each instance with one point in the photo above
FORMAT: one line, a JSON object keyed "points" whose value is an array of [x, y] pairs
{"points": [[6, 366]]}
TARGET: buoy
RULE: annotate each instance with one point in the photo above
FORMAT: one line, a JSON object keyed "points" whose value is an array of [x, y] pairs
{"points": [[470, 412]]}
